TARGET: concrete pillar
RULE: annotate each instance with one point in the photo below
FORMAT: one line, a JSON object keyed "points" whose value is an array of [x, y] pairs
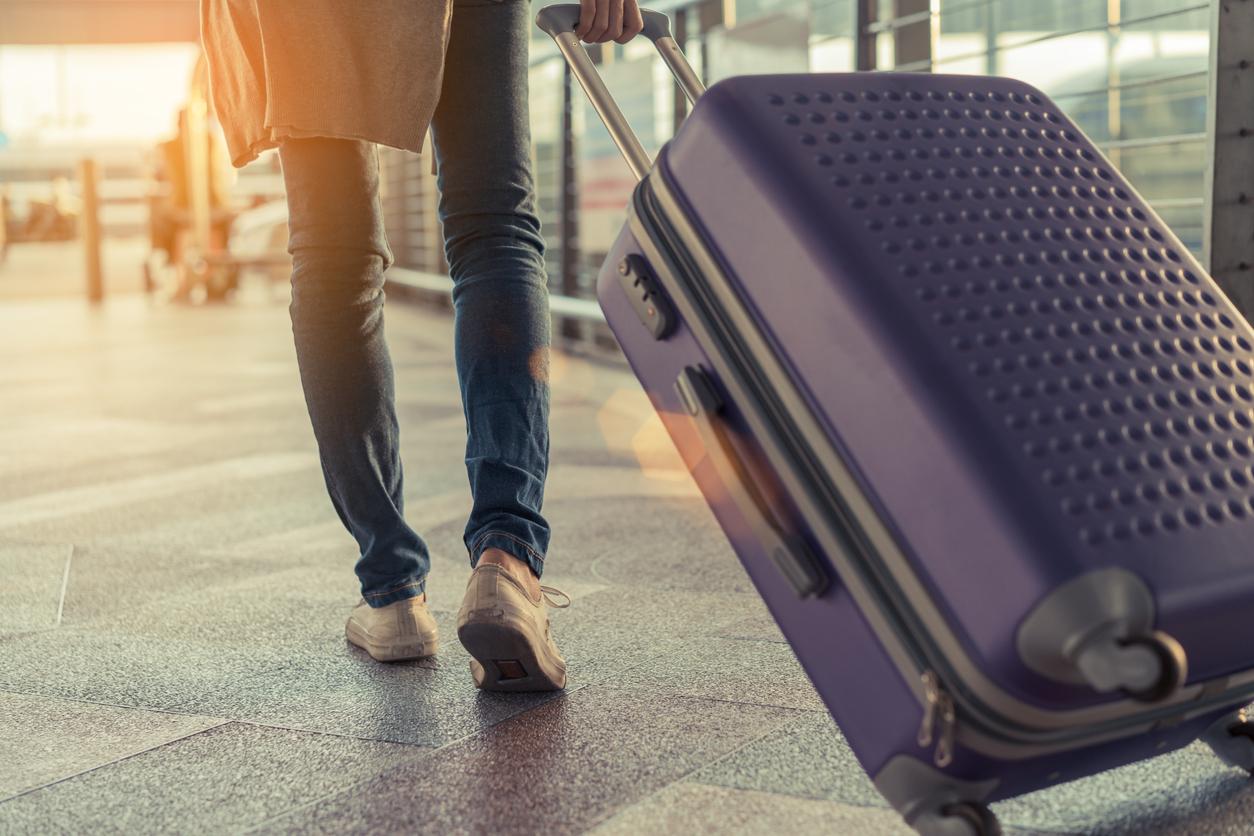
{"points": [[1228, 237]]}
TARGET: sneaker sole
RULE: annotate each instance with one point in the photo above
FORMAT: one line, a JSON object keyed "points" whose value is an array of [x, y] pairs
{"points": [[397, 652], [505, 658]]}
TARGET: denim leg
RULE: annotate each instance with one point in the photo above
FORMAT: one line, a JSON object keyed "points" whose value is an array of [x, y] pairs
{"points": [[339, 252], [496, 258]]}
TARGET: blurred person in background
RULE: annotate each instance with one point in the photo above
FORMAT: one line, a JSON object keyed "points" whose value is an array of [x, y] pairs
{"points": [[170, 210], [324, 81], [54, 219]]}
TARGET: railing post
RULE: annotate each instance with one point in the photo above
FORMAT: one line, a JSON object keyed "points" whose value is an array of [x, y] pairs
{"points": [[90, 231], [1228, 238], [913, 43], [866, 12], [569, 204]]}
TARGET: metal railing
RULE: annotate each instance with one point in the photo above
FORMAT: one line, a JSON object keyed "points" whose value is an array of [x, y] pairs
{"points": [[439, 286]]}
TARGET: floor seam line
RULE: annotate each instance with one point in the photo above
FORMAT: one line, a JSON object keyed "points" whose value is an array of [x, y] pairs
{"points": [[431, 751], [280, 727], [723, 700], [6, 689], [684, 777], [252, 828], [115, 761], [65, 584]]}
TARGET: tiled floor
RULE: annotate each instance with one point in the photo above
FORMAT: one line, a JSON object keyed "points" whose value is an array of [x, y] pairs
{"points": [[173, 585]]}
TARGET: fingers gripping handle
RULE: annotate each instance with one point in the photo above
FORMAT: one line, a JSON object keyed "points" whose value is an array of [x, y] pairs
{"points": [[560, 20], [564, 17]]}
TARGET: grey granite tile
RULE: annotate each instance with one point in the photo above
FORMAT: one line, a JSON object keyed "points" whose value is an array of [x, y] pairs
{"points": [[763, 673], [618, 629], [191, 518], [326, 578], [248, 612], [808, 758], [31, 592], [1185, 792], [757, 627], [665, 543], [337, 688], [220, 780], [690, 808], [582, 483], [559, 768], [130, 670], [570, 455], [1224, 806], [116, 581], [45, 739], [201, 446], [1188, 791], [98, 445], [228, 476], [331, 686]]}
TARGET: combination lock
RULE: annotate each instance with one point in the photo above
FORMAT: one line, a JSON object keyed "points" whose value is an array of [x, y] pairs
{"points": [[651, 305]]}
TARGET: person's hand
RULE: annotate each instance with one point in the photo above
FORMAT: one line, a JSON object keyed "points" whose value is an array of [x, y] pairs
{"points": [[608, 20]]}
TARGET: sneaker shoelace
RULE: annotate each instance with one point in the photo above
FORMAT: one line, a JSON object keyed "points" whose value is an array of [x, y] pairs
{"points": [[549, 591]]}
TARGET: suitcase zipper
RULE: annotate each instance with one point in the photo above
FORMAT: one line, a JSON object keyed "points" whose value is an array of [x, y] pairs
{"points": [[941, 703], [939, 711]]}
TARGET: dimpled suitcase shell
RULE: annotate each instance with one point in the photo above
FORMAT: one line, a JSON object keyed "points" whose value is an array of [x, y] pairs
{"points": [[1029, 374]]}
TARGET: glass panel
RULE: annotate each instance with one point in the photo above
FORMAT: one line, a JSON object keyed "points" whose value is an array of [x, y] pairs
{"points": [[546, 134], [831, 36], [885, 51], [1023, 20], [1170, 172], [1144, 8], [83, 94], [779, 43], [1185, 221], [832, 18], [966, 16], [748, 10], [604, 181]]}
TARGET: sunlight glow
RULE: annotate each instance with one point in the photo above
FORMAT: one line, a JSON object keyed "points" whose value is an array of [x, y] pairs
{"points": [[53, 95]]}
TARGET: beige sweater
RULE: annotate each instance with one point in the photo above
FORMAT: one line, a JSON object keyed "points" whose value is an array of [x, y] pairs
{"points": [[353, 69]]}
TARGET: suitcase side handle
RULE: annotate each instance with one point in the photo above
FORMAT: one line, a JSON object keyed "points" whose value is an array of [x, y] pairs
{"points": [[559, 22], [788, 552]]}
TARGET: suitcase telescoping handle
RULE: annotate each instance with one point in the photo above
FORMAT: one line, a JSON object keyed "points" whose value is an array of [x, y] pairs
{"points": [[560, 21], [787, 551]]}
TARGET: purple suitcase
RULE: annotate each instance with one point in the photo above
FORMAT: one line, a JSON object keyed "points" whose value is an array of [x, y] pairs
{"points": [[979, 427]]}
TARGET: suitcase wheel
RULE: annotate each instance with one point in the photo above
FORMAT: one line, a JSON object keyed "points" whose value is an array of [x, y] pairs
{"points": [[1098, 630], [1173, 666], [964, 818], [1232, 740]]}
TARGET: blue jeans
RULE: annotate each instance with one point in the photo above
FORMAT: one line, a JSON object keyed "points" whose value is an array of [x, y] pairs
{"points": [[496, 259]]}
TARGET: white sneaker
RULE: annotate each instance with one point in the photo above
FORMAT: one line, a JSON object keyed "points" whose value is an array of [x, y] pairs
{"points": [[507, 633], [400, 630]]}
